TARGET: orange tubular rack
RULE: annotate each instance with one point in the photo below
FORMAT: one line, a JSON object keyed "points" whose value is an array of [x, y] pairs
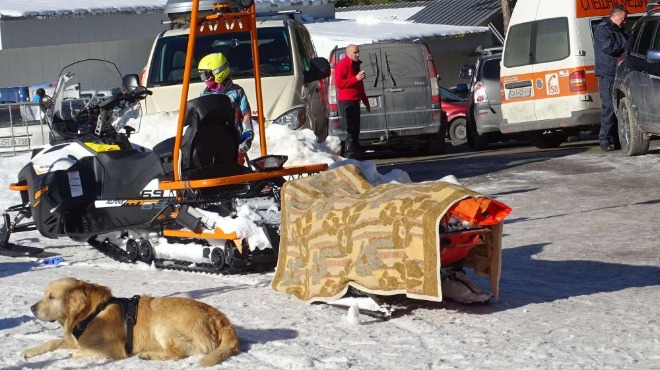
{"points": [[215, 234], [17, 187], [207, 183]]}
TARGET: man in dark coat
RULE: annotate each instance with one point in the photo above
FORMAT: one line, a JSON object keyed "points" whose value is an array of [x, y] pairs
{"points": [[610, 41]]}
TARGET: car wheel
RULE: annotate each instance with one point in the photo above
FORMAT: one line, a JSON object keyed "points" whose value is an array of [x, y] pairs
{"points": [[458, 131], [545, 139], [633, 140]]}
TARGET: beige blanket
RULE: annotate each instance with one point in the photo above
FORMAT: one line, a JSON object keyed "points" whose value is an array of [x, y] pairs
{"points": [[338, 230]]}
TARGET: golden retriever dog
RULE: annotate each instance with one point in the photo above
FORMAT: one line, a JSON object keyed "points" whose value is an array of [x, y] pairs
{"points": [[166, 328]]}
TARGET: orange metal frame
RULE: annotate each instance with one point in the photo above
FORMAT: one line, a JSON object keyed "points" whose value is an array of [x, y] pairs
{"points": [[212, 24], [207, 183]]}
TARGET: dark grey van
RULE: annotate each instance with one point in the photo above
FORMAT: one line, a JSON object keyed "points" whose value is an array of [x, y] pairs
{"points": [[402, 86]]}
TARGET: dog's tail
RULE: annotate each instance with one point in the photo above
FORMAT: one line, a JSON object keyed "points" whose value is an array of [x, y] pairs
{"points": [[229, 346]]}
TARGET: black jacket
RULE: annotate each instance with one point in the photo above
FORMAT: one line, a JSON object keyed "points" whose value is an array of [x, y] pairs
{"points": [[610, 42]]}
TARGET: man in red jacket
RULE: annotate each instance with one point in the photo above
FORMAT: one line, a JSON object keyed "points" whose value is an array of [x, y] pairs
{"points": [[350, 91]]}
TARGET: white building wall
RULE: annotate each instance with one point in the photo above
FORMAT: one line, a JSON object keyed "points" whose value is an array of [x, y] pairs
{"points": [[29, 32], [34, 50], [29, 66]]}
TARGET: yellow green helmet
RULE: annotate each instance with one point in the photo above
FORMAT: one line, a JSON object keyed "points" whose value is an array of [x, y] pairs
{"points": [[217, 65]]}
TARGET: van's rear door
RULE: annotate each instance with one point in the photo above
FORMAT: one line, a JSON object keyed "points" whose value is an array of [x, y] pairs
{"points": [[406, 86], [371, 58]]}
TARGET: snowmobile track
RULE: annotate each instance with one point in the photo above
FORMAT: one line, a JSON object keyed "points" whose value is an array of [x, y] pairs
{"points": [[120, 255]]}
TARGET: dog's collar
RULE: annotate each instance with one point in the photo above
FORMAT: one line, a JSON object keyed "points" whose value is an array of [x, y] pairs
{"points": [[129, 308]]}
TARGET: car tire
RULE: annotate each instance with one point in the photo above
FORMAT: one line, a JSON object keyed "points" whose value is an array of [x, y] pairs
{"points": [[458, 131], [633, 141], [546, 139]]}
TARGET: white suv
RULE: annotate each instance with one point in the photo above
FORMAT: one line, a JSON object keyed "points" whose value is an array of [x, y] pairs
{"points": [[290, 72]]}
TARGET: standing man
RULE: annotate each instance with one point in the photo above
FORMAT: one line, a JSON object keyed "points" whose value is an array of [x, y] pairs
{"points": [[349, 81], [610, 41]]}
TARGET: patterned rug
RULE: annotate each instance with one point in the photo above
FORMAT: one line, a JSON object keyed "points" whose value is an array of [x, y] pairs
{"points": [[338, 230]]}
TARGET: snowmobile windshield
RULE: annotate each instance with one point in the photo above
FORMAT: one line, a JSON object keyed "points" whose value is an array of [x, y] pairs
{"points": [[83, 83], [82, 89]]}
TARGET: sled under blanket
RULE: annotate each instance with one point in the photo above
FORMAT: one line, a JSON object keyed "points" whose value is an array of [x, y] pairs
{"points": [[338, 230]]}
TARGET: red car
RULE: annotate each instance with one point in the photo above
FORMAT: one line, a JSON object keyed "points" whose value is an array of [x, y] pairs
{"points": [[456, 109]]}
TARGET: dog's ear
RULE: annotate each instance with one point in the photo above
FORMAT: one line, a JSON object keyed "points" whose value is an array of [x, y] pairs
{"points": [[81, 300], [76, 307]]}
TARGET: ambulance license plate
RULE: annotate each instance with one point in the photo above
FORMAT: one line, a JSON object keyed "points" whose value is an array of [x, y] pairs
{"points": [[522, 92]]}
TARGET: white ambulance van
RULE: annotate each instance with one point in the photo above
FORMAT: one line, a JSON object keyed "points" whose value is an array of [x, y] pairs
{"points": [[547, 75]]}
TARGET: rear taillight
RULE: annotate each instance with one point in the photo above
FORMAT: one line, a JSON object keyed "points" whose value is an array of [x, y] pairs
{"points": [[480, 93], [502, 95], [332, 93], [578, 81], [433, 79]]}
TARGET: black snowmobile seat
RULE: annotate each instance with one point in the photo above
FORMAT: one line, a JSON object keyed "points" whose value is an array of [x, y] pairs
{"points": [[209, 147]]}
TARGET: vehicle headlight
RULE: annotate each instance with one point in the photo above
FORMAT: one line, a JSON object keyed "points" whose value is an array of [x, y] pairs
{"points": [[293, 119]]}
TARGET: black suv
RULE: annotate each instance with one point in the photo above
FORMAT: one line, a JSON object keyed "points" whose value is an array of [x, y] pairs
{"points": [[637, 85], [484, 100]]}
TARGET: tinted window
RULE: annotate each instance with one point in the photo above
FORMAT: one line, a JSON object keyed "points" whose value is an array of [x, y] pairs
{"points": [[491, 69], [551, 40], [656, 39], [645, 37], [518, 45], [168, 61], [537, 42]]}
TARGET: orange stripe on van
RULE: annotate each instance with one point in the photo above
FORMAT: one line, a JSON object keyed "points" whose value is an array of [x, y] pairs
{"points": [[541, 88], [600, 8]]}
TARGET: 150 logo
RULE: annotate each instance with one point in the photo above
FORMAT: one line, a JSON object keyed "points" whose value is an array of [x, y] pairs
{"points": [[552, 84]]}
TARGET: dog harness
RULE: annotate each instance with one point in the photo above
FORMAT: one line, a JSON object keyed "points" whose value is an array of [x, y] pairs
{"points": [[129, 307]]}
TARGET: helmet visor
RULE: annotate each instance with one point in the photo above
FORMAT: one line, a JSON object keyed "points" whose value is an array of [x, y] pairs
{"points": [[205, 74]]}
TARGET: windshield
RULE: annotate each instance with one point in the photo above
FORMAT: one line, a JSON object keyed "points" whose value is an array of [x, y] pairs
{"points": [[169, 58], [82, 83], [81, 86]]}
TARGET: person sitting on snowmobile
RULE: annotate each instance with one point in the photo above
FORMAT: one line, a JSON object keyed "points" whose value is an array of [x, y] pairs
{"points": [[214, 71]]}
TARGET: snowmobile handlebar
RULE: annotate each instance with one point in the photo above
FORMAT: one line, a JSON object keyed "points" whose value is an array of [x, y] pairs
{"points": [[140, 93]]}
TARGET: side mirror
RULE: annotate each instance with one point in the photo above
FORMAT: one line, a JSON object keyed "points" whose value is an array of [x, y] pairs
{"points": [[319, 68], [653, 55], [467, 71], [131, 82]]}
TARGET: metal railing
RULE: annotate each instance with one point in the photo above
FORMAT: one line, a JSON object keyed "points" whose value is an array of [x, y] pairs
{"points": [[21, 128]]}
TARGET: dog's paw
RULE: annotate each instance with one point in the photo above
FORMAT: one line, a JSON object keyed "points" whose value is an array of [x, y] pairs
{"points": [[145, 356], [29, 353]]}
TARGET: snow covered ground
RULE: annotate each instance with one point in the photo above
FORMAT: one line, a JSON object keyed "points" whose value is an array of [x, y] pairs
{"points": [[580, 283]]}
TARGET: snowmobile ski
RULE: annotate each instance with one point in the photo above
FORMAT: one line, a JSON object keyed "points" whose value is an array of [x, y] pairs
{"points": [[10, 249]]}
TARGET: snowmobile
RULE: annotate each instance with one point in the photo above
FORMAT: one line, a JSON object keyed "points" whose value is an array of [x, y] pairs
{"points": [[134, 204]]}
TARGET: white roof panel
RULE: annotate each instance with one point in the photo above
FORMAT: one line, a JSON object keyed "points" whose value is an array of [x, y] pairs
{"points": [[327, 35], [33, 8]]}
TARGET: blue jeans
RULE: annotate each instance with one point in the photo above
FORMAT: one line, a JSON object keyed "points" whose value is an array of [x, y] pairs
{"points": [[608, 123]]}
